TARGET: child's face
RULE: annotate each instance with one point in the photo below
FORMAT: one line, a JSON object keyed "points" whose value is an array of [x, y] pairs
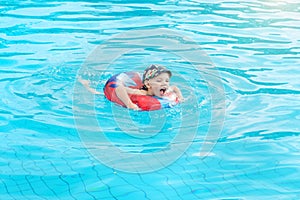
{"points": [[158, 85]]}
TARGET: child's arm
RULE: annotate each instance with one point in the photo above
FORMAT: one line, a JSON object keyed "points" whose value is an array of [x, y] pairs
{"points": [[86, 84], [178, 93], [122, 93]]}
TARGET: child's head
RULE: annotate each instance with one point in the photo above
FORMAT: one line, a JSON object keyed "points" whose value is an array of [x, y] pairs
{"points": [[153, 71], [156, 80]]}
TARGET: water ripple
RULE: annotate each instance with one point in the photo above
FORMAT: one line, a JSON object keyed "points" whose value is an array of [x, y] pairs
{"points": [[255, 46]]}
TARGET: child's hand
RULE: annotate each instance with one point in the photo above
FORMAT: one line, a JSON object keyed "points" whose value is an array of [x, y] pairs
{"points": [[133, 106], [86, 84], [178, 93]]}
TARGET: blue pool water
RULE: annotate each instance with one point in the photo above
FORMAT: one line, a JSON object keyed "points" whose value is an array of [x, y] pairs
{"points": [[235, 137]]}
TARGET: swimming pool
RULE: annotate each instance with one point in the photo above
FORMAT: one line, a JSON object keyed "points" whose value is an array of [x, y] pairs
{"points": [[236, 136]]}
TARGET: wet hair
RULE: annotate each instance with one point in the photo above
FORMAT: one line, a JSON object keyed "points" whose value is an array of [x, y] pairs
{"points": [[153, 71]]}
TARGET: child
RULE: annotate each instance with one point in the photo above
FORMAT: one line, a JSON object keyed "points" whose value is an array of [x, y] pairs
{"points": [[156, 82]]}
